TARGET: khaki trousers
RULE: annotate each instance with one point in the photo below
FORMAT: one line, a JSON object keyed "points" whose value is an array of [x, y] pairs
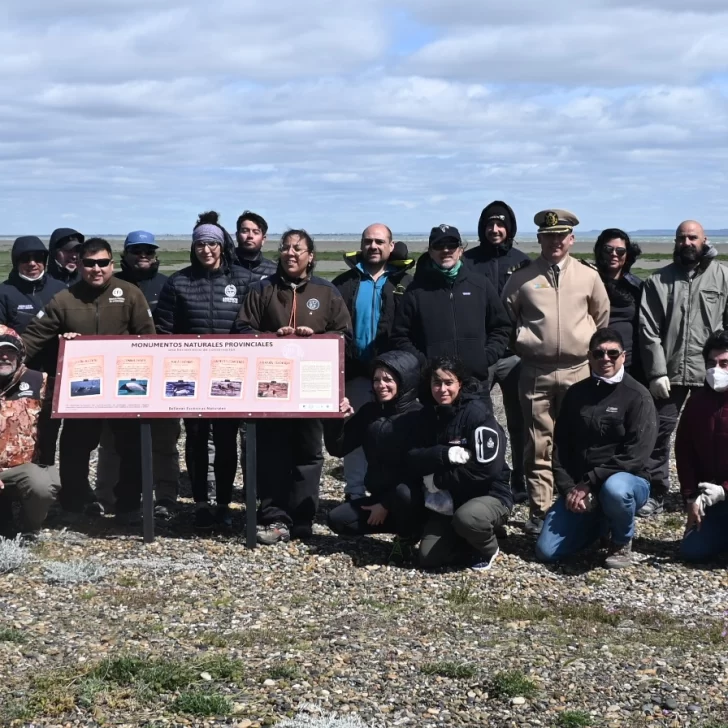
{"points": [[542, 391], [35, 486]]}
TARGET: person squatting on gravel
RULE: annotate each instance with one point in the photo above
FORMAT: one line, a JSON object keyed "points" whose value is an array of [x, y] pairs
{"points": [[701, 452], [290, 455], [682, 305], [385, 429], [604, 434], [460, 454], [98, 305], [204, 298], [22, 477]]}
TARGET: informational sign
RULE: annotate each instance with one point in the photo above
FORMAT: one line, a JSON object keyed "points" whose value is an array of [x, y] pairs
{"points": [[200, 376]]}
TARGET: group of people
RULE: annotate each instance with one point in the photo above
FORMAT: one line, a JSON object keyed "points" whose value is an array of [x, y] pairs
{"points": [[593, 364]]}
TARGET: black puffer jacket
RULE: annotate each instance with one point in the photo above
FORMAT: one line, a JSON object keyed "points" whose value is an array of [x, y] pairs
{"points": [[496, 262], [20, 300], [464, 317], [195, 300], [259, 266], [624, 311], [385, 431], [392, 294], [150, 283], [469, 423], [54, 270]]}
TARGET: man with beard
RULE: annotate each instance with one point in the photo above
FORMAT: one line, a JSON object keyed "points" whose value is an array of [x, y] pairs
{"points": [[252, 230], [63, 259], [372, 290], [682, 305]]}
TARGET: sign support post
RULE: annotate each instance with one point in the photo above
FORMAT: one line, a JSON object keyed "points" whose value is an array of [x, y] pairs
{"points": [[251, 484], [147, 482]]}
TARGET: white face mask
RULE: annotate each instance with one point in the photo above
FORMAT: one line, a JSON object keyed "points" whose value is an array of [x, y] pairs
{"points": [[717, 379]]}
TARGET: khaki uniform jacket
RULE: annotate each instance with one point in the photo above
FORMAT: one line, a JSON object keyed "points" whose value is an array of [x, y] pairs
{"points": [[117, 309], [677, 314], [554, 323]]}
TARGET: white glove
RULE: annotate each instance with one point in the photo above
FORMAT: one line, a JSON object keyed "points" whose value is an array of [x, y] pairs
{"points": [[710, 493], [429, 481], [458, 455], [440, 502], [660, 388]]}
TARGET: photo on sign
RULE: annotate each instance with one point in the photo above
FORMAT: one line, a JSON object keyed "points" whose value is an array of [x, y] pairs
{"points": [[272, 390], [132, 387], [226, 388], [85, 387], [180, 388]]}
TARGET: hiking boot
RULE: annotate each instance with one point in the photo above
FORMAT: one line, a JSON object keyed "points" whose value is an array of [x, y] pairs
{"points": [[94, 509], [619, 556], [163, 509], [204, 520], [403, 551], [483, 562], [653, 507], [500, 531], [224, 516], [270, 533], [301, 531], [534, 526]]}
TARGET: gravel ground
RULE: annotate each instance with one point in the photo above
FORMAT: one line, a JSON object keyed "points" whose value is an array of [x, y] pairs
{"points": [[98, 629]]}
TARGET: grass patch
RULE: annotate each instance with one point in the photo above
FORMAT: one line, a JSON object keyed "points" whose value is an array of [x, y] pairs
{"points": [[455, 670], [511, 684], [462, 595], [158, 676], [282, 672], [10, 634], [198, 703], [573, 719]]}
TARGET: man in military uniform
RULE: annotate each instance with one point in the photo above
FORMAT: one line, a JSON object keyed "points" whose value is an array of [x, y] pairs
{"points": [[556, 304]]}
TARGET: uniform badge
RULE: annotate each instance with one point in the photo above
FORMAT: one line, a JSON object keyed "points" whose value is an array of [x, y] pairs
{"points": [[313, 304], [486, 444], [117, 292], [24, 386], [550, 219], [230, 291]]}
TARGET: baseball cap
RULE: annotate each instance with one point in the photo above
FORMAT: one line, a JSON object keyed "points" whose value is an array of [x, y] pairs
{"points": [[140, 237], [444, 232]]}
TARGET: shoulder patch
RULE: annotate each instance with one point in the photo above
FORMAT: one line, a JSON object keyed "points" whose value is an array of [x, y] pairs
{"points": [[589, 264], [487, 444]]}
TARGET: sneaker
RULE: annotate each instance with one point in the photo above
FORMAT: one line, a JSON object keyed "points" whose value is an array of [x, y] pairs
{"points": [[270, 533], [483, 563], [534, 526], [653, 507], [128, 518], [224, 516], [619, 556], [204, 520], [94, 509], [403, 551]]}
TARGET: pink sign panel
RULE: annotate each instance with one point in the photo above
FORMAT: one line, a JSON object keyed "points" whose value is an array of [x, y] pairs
{"points": [[200, 376]]}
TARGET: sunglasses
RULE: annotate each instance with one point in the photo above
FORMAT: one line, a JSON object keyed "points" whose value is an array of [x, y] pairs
{"points": [[142, 250], [445, 245], [619, 252], [34, 257], [93, 262], [612, 354]]}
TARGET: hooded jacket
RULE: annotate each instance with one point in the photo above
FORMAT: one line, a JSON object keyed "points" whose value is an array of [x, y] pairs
{"points": [[55, 270], [392, 293], [21, 399], [603, 429], [196, 300], [462, 317], [259, 266], [678, 311], [554, 321], [150, 282], [118, 308], [468, 422], [497, 262], [701, 443], [20, 300], [385, 431]]}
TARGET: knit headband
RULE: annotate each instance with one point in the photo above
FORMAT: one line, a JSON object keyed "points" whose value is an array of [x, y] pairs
{"points": [[207, 232]]}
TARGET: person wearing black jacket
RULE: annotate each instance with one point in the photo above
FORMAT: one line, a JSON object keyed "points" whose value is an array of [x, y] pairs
{"points": [[451, 309], [63, 255], [604, 435], [204, 298], [384, 428], [372, 289], [496, 258], [252, 230], [460, 454]]}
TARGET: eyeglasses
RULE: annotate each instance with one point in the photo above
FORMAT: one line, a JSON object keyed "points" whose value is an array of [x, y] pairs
{"points": [[32, 257], [289, 249], [445, 245], [612, 354], [619, 252], [211, 244], [93, 262], [141, 250]]}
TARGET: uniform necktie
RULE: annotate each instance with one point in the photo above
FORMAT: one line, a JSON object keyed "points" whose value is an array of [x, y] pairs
{"points": [[555, 268]]}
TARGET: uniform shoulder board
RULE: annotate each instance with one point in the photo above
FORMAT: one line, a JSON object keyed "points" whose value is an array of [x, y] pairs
{"points": [[589, 264], [516, 267]]}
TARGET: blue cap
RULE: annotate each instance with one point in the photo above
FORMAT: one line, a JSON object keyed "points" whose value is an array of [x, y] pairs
{"points": [[140, 237]]}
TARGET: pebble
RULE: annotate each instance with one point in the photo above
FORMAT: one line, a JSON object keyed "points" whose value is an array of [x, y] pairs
{"points": [[519, 700]]}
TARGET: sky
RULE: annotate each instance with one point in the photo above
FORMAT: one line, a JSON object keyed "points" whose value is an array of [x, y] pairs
{"points": [[332, 114]]}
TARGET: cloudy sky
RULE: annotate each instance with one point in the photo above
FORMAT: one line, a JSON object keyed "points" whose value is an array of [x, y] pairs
{"points": [[330, 114]]}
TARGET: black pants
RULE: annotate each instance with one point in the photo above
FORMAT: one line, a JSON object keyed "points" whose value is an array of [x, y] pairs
{"points": [[225, 438], [78, 439], [506, 373], [658, 465], [405, 518], [290, 461]]}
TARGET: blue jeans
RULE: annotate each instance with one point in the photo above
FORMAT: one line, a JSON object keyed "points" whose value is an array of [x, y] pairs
{"points": [[565, 532], [712, 538]]}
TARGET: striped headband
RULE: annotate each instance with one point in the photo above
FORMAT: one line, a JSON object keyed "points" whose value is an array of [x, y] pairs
{"points": [[208, 233]]}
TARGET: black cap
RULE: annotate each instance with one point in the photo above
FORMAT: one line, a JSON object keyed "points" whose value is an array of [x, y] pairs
{"points": [[444, 232]]}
